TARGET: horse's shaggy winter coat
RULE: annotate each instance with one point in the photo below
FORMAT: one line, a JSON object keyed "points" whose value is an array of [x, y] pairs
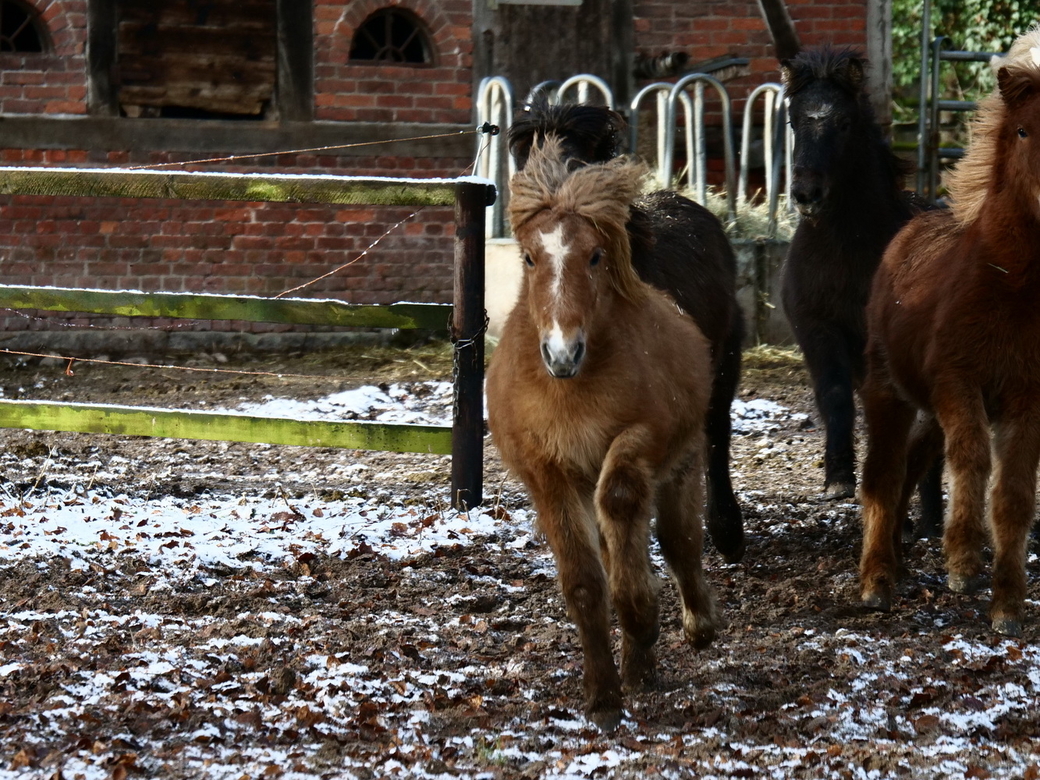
{"points": [[597, 394]]}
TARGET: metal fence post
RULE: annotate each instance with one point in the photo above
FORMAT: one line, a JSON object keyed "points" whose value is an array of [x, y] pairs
{"points": [[467, 334]]}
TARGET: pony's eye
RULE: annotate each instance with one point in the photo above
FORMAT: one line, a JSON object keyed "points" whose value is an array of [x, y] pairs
{"points": [[1022, 133], [528, 261], [596, 257]]}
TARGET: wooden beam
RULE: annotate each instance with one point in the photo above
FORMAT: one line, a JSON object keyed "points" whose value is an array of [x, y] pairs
{"points": [[469, 321], [216, 136], [222, 426], [258, 187], [879, 55], [781, 28], [295, 311], [294, 94], [102, 98]]}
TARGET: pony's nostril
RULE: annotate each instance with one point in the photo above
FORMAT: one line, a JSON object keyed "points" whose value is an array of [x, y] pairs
{"points": [[579, 352], [806, 196]]}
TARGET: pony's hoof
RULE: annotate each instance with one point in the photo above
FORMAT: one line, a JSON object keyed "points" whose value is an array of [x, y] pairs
{"points": [[927, 528], [638, 669], [1008, 626], [963, 583], [726, 530], [731, 550], [700, 633], [606, 720], [878, 601], [839, 490]]}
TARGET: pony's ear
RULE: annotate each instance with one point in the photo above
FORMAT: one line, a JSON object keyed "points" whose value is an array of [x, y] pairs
{"points": [[1015, 87], [855, 72]]}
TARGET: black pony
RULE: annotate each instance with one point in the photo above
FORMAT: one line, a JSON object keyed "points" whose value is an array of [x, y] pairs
{"points": [[680, 247], [848, 186]]}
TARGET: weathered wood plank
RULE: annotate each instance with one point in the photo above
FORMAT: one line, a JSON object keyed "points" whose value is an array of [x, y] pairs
{"points": [[279, 188], [217, 136], [223, 14], [202, 43], [217, 426], [294, 311]]}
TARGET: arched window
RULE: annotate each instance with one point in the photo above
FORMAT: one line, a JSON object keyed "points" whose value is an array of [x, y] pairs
{"points": [[392, 35], [20, 28]]}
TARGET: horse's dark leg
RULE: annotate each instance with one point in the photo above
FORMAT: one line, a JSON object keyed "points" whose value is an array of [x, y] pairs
{"points": [[679, 531], [624, 496], [724, 520], [566, 516], [925, 470], [884, 492], [1017, 450], [827, 354]]}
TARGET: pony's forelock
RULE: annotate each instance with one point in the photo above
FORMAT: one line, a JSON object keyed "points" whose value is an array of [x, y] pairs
{"points": [[844, 67], [602, 194], [968, 182]]}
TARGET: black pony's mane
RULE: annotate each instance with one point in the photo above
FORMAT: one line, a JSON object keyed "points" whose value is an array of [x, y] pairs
{"points": [[588, 134]]}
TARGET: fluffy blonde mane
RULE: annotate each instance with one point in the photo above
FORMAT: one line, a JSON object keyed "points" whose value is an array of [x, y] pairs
{"points": [[968, 183], [600, 193]]}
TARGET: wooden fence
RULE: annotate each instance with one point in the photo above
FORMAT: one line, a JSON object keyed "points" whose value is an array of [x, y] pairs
{"points": [[465, 316]]}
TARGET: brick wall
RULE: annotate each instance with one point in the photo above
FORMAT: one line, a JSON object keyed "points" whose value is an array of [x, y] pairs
{"points": [[710, 29], [53, 83], [349, 91], [248, 248], [268, 248], [228, 247]]}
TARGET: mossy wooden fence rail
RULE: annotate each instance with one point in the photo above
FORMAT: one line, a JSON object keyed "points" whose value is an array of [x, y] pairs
{"points": [[465, 316]]}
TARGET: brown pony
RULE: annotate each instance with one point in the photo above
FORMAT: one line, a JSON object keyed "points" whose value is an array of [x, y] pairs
{"points": [[597, 394], [955, 342]]}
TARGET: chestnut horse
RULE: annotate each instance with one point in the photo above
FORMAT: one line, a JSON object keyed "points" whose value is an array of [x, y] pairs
{"points": [[848, 186], [597, 394], [955, 334], [681, 248]]}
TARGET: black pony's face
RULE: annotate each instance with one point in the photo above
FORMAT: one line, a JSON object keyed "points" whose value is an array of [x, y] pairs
{"points": [[827, 116]]}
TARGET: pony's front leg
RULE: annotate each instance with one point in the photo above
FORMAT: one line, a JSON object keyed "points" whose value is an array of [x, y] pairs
{"points": [[1012, 503], [965, 426], [567, 518], [624, 496], [829, 358], [889, 419]]}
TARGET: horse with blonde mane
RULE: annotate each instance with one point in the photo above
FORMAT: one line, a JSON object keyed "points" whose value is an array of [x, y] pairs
{"points": [[597, 396], [681, 248], [954, 354]]}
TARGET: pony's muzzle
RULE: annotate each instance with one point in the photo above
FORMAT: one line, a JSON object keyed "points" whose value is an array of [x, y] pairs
{"points": [[808, 192], [563, 356]]}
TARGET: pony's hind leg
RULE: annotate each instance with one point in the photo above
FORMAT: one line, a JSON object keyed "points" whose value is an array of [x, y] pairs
{"points": [[624, 495], [1012, 504], [964, 423], [680, 534], [924, 470], [883, 492], [567, 518], [724, 520]]}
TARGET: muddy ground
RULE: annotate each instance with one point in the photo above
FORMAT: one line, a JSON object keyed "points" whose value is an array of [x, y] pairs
{"points": [[462, 662]]}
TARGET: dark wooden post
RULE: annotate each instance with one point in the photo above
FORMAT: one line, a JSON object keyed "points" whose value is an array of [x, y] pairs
{"points": [[781, 28], [467, 334], [102, 90], [295, 93]]}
